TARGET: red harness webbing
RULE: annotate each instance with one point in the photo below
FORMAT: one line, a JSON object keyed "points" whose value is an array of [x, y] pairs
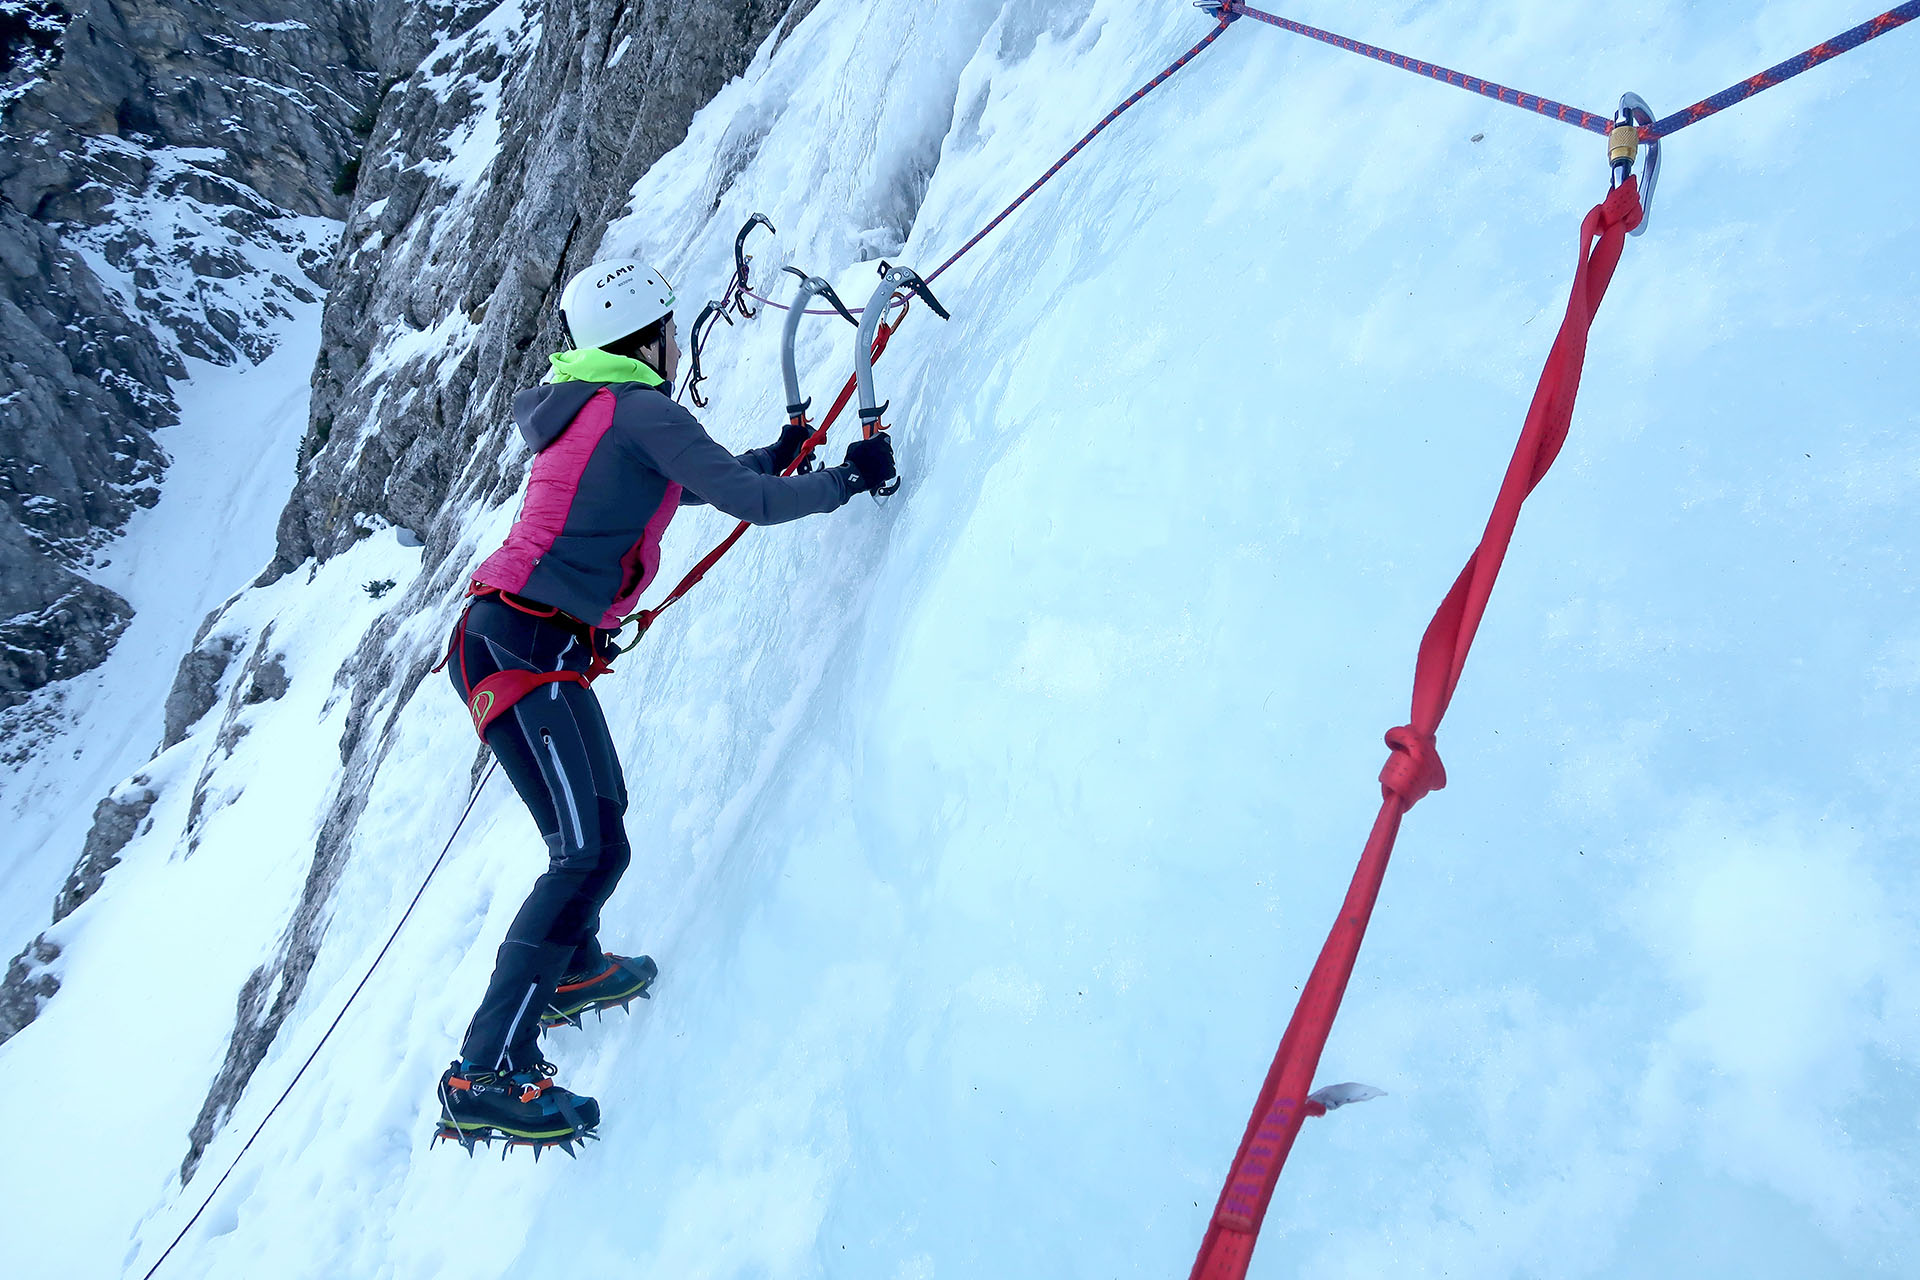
{"points": [[1414, 767], [495, 695]]}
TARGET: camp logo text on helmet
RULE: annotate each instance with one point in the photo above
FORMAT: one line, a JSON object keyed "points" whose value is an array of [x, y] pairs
{"points": [[612, 299]]}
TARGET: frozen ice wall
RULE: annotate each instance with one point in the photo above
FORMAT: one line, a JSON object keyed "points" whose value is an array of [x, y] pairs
{"points": [[984, 836]]}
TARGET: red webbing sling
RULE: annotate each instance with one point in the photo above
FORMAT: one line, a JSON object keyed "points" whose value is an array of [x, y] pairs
{"points": [[1414, 768]]}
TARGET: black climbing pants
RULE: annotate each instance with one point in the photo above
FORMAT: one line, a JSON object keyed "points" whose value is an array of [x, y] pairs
{"points": [[555, 747]]}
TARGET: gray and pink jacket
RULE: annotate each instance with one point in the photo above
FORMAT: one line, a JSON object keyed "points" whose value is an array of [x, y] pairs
{"points": [[613, 462]]}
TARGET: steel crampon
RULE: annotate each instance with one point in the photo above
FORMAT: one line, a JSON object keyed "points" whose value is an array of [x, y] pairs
{"points": [[484, 1135]]}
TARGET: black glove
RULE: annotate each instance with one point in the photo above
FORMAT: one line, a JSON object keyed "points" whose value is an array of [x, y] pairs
{"points": [[784, 450], [869, 463]]}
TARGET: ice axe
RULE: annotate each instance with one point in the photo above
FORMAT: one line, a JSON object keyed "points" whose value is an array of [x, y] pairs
{"points": [[893, 281], [811, 287]]}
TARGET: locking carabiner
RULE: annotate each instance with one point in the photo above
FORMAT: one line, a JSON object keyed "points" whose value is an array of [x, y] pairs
{"points": [[1623, 147]]}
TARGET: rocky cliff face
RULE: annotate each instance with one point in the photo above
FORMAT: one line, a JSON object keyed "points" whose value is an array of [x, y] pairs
{"points": [[496, 166], [171, 177]]}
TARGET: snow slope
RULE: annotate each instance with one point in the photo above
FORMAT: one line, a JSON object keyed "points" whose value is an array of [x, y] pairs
{"points": [[984, 836], [210, 534]]}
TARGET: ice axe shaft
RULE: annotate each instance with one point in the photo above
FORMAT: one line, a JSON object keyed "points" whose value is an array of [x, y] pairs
{"points": [[893, 280], [811, 287]]}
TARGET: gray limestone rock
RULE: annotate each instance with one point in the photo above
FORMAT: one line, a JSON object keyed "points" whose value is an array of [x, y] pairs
{"points": [[116, 820], [167, 189], [77, 453], [27, 986], [196, 686], [53, 623], [263, 679]]}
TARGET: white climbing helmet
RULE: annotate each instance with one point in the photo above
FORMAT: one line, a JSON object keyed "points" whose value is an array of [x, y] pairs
{"points": [[612, 299]]}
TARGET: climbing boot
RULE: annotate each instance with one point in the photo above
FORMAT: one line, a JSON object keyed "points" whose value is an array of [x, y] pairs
{"points": [[525, 1108], [622, 980]]}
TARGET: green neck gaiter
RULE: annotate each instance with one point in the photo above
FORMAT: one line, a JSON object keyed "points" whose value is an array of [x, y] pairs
{"points": [[590, 364]]}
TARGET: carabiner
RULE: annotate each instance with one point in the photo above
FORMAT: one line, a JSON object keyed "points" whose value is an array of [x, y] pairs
{"points": [[740, 260], [1623, 145]]}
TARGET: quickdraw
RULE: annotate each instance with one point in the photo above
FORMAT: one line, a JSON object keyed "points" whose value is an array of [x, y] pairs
{"points": [[734, 299]]}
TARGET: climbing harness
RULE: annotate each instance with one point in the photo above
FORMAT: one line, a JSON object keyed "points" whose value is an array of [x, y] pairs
{"points": [[1413, 769], [493, 696]]}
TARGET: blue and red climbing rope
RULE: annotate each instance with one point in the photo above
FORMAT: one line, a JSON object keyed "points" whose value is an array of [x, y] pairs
{"points": [[1230, 9], [1825, 51], [1593, 122]]}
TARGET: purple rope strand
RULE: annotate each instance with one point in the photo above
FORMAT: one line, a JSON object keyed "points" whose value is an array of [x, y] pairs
{"points": [[1460, 80], [1871, 29], [1226, 20]]}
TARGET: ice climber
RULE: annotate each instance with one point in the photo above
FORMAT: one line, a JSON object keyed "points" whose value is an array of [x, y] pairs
{"points": [[614, 458]]}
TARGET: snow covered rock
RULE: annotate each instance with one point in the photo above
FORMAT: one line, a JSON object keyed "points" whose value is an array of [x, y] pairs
{"points": [[167, 189]]}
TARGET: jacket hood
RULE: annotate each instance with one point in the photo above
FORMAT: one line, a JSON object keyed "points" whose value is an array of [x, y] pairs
{"points": [[543, 412]]}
